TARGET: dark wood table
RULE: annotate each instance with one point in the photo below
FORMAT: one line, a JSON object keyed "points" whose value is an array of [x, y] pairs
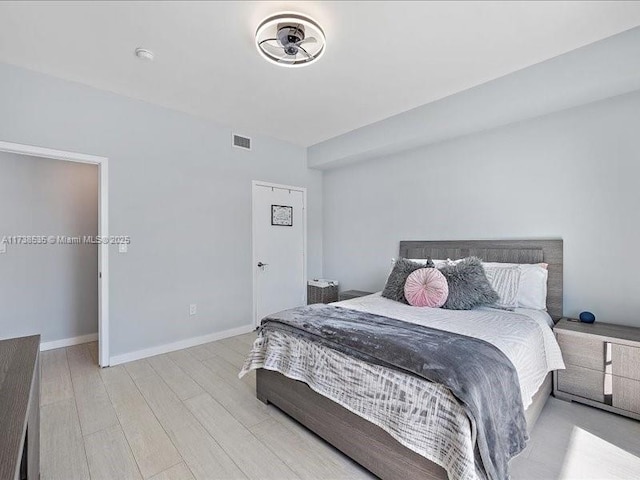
{"points": [[20, 408]]}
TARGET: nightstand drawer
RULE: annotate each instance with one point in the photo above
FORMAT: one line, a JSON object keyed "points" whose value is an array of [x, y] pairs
{"points": [[587, 352], [583, 382], [625, 361], [626, 394]]}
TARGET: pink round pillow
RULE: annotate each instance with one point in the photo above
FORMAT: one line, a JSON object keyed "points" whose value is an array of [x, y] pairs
{"points": [[426, 287]]}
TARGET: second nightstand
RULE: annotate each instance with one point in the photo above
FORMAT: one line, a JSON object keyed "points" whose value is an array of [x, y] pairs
{"points": [[603, 366], [349, 294]]}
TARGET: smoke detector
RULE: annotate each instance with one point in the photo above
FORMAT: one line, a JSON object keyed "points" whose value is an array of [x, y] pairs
{"points": [[290, 40], [144, 54]]}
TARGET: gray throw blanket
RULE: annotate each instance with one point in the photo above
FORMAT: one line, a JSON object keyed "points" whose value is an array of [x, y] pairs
{"points": [[478, 374]]}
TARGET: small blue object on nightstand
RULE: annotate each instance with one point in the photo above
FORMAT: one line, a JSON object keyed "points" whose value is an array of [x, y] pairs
{"points": [[587, 317]]}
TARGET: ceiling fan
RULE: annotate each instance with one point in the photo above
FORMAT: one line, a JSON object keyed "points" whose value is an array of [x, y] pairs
{"points": [[290, 40]]}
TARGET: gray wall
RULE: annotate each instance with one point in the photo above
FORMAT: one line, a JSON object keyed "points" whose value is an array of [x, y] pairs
{"points": [[573, 174], [48, 289], [181, 192]]}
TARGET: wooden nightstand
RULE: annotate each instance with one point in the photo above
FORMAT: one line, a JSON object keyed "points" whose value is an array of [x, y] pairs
{"points": [[349, 294], [603, 366]]}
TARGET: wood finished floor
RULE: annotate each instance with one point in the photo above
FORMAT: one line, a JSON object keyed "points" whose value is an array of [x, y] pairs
{"points": [[186, 415]]}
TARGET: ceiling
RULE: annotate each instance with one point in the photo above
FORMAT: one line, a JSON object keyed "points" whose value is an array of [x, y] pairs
{"points": [[382, 58]]}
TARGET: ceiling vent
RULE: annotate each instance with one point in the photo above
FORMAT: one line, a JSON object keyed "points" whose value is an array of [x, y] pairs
{"points": [[241, 142]]}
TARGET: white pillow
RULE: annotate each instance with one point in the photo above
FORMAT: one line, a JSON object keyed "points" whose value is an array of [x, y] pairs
{"points": [[533, 286], [505, 280], [532, 289], [419, 261], [448, 261]]}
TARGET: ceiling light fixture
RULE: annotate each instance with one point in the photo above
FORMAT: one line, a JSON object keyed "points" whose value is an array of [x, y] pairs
{"points": [[290, 40], [144, 54]]}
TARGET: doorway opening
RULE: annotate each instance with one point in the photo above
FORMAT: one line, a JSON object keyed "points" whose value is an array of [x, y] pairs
{"points": [[103, 233]]}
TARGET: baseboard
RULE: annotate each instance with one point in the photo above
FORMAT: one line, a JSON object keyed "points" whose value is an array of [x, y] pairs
{"points": [[179, 345], [68, 342]]}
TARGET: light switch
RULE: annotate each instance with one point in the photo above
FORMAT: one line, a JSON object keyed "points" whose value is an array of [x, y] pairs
{"points": [[123, 248]]}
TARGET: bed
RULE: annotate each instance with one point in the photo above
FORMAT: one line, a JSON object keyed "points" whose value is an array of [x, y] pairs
{"points": [[383, 451]]}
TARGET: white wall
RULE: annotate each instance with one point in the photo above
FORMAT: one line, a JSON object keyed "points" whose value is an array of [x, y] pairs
{"points": [[48, 289], [596, 71], [181, 192], [573, 174]]}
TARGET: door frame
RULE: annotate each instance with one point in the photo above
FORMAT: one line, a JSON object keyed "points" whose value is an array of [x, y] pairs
{"points": [[103, 228], [254, 260]]}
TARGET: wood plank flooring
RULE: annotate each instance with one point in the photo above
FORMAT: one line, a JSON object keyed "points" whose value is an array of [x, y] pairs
{"points": [[179, 416], [186, 416]]}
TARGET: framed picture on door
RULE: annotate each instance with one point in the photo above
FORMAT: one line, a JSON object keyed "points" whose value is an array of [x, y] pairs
{"points": [[282, 215]]}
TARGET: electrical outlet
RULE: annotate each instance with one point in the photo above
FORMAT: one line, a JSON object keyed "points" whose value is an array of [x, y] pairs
{"points": [[122, 248], [193, 309], [3, 247]]}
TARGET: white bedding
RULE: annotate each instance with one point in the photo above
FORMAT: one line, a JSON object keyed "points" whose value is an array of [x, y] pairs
{"points": [[524, 336]]}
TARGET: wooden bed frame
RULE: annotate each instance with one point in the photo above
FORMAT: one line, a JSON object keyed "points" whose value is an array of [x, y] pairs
{"points": [[368, 444]]}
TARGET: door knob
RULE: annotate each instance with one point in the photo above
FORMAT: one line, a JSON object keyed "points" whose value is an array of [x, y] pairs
{"points": [[260, 264]]}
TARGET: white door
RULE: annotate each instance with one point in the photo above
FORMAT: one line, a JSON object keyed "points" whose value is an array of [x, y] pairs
{"points": [[279, 229]]}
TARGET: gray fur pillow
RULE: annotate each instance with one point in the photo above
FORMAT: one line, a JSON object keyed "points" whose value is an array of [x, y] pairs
{"points": [[468, 285], [394, 288]]}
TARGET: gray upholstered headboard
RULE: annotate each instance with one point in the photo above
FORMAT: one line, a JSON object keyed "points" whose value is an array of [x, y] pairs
{"points": [[505, 251]]}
